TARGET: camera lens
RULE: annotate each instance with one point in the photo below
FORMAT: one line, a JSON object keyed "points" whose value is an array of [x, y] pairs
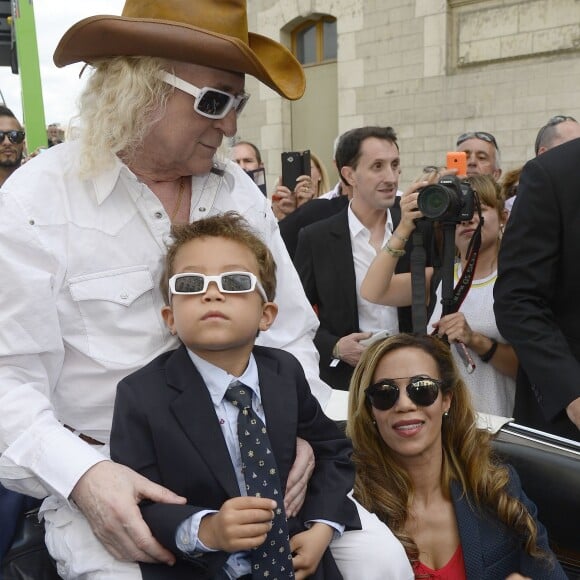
{"points": [[436, 201]]}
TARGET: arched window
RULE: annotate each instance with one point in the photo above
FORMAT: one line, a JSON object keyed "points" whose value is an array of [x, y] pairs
{"points": [[314, 41]]}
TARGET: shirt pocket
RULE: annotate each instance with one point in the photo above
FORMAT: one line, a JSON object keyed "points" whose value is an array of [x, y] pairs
{"points": [[120, 323]]}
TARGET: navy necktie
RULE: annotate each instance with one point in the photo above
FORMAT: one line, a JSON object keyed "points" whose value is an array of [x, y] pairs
{"points": [[273, 559]]}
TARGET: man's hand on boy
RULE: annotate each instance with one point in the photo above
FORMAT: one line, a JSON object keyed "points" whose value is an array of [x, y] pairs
{"points": [[109, 494], [298, 478], [241, 524], [308, 548]]}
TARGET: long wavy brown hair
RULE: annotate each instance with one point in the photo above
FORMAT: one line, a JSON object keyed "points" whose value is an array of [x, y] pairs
{"points": [[384, 487]]}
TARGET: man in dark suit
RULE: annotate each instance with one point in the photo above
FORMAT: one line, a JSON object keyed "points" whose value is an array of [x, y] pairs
{"points": [[309, 213], [537, 304], [328, 204], [333, 254]]}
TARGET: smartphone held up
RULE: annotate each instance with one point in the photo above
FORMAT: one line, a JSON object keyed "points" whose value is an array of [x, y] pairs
{"points": [[294, 164], [457, 160]]}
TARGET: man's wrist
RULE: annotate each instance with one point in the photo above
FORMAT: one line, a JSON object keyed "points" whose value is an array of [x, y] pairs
{"points": [[400, 236], [336, 351], [396, 253]]}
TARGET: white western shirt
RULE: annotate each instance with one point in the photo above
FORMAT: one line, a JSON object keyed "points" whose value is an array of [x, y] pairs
{"points": [[81, 307]]}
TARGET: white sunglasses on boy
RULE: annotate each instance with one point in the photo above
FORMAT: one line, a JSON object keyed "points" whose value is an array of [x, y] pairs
{"points": [[227, 282]]}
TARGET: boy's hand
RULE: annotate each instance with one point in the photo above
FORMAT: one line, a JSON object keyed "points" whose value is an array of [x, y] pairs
{"points": [[308, 548], [241, 524]]}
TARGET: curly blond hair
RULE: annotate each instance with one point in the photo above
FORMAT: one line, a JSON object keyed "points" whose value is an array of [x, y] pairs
{"points": [[384, 487], [122, 99]]}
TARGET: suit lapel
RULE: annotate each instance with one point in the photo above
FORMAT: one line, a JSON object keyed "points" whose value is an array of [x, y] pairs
{"points": [[195, 414], [343, 263], [395, 212], [469, 533]]}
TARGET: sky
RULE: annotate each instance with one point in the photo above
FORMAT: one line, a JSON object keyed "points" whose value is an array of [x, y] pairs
{"points": [[60, 86]]}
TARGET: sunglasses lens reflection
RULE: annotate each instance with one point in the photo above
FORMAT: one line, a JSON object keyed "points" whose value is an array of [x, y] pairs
{"points": [[214, 103], [189, 283], [421, 391], [385, 398], [234, 282], [15, 137], [237, 283]]}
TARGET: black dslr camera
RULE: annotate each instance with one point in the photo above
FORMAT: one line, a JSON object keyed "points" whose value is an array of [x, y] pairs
{"points": [[449, 200]]}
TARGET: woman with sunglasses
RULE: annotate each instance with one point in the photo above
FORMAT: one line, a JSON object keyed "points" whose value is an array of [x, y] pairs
{"points": [[427, 471], [488, 365]]}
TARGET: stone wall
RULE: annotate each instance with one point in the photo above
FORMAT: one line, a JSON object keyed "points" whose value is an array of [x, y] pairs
{"points": [[433, 69]]}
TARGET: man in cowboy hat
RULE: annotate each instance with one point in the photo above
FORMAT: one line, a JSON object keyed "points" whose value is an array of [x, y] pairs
{"points": [[83, 230]]}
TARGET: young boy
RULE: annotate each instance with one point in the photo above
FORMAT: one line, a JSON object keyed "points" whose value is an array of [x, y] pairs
{"points": [[182, 422]]}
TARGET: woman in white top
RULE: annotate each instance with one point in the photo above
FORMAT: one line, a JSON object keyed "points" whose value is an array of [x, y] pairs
{"points": [[492, 382]]}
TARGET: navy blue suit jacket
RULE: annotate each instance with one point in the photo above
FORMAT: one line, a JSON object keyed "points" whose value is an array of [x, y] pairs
{"points": [[165, 427], [491, 551]]}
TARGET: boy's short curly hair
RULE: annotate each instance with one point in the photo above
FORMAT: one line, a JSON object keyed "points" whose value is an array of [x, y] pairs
{"points": [[232, 226]]}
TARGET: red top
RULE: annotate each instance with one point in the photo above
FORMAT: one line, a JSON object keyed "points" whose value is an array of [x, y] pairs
{"points": [[453, 570]]}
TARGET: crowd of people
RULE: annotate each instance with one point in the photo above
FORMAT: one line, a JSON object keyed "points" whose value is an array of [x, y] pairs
{"points": [[172, 334]]}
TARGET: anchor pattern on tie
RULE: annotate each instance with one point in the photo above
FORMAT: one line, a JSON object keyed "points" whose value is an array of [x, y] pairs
{"points": [[273, 559]]}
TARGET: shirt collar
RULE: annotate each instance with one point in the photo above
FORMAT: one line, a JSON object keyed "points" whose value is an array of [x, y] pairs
{"points": [[217, 380], [106, 180], [356, 226]]}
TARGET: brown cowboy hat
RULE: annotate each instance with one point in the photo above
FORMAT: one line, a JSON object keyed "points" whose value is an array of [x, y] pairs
{"points": [[211, 33]]}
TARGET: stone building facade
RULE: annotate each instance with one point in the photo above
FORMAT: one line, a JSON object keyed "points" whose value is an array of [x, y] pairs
{"points": [[432, 69]]}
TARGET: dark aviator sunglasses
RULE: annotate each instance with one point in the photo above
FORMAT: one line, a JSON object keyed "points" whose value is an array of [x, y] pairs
{"points": [[421, 389], [15, 137]]}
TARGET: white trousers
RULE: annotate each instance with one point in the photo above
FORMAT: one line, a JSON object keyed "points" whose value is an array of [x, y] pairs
{"points": [[372, 553]]}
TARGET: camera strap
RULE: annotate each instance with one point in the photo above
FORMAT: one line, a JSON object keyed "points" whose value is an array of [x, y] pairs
{"points": [[464, 283], [452, 304], [451, 297], [419, 303]]}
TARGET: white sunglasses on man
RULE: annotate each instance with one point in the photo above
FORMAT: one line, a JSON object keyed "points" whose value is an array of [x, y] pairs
{"points": [[209, 102]]}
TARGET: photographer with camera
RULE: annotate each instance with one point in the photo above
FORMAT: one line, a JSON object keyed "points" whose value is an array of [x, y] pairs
{"points": [[452, 202]]}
